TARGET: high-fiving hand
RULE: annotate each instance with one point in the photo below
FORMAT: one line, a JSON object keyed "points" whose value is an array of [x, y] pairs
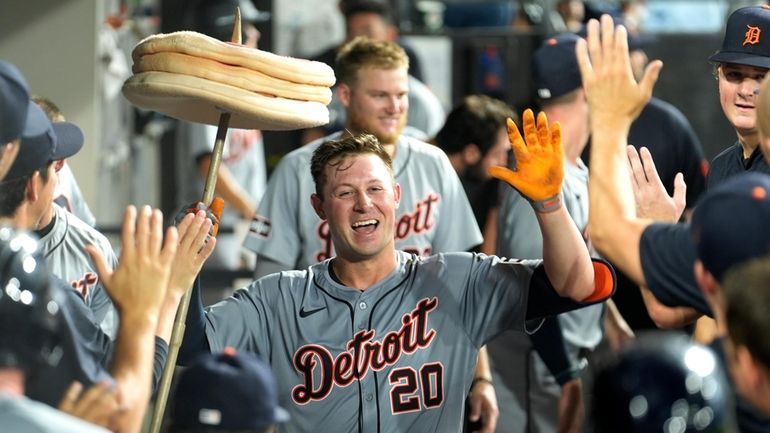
{"points": [[539, 162], [614, 97]]}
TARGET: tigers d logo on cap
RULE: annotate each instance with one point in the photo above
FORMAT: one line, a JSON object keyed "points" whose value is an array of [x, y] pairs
{"points": [[752, 35], [745, 41]]}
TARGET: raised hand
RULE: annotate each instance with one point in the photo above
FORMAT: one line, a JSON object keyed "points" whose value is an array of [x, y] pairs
{"points": [[614, 97], [652, 199], [195, 246], [539, 161], [138, 285]]}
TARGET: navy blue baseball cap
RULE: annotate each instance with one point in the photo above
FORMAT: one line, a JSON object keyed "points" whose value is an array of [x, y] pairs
{"points": [[43, 142], [729, 224], [14, 102], [747, 38], [554, 67], [227, 392]]}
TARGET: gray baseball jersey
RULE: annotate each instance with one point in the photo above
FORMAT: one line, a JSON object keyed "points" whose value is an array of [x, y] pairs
{"points": [[244, 157], [20, 414], [433, 216], [519, 236], [396, 357], [64, 250]]}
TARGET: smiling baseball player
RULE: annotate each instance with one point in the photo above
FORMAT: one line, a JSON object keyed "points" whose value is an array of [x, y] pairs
{"points": [[380, 340]]}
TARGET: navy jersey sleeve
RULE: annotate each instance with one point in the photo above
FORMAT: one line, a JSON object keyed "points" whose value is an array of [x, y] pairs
{"points": [[667, 256]]}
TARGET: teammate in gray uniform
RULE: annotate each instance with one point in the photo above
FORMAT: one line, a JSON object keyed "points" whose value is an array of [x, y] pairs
{"points": [[380, 340], [145, 287], [287, 234], [64, 237], [373, 87], [528, 392], [67, 193]]}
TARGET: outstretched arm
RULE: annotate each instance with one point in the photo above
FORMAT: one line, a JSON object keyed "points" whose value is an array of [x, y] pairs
{"points": [[138, 288], [615, 99]]}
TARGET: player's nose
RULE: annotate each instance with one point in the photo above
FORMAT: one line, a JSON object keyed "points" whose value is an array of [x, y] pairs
{"points": [[363, 201]]}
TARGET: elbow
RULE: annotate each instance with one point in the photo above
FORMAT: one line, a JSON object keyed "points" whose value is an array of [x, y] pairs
{"points": [[600, 235], [666, 317]]}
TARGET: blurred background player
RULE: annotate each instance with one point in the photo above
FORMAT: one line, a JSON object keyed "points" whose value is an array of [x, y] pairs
{"points": [[374, 19], [538, 376], [475, 137]]}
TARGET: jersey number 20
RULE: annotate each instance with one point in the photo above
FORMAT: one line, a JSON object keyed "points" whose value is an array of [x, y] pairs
{"points": [[407, 392]]}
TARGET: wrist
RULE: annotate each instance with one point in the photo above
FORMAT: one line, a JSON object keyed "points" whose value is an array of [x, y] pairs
{"points": [[547, 205], [481, 379]]}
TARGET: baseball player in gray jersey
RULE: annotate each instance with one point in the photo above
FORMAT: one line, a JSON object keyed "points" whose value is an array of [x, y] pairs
{"points": [[433, 205], [63, 245], [64, 237], [380, 340], [373, 87], [67, 193], [528, 391], [287, 234]]}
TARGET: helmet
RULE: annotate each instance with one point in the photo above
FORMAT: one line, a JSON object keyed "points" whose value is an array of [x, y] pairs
{"points": [[663, 382], [29, 314]]}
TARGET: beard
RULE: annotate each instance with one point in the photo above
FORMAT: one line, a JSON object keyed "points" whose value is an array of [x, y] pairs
{"points": [[360, 125]]}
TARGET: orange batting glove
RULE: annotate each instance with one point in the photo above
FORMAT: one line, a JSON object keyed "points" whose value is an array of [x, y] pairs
{"points": [[213, 212], [539, 163]]}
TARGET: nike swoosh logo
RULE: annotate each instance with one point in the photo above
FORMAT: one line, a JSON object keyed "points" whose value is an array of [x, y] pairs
{"points": [[305, 313]]}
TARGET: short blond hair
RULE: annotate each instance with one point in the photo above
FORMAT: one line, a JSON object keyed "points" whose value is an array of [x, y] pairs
{"points": [[364, 52]]}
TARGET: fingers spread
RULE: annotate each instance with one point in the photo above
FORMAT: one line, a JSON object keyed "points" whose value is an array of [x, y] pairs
{"points": [[637, 171], [143, 230], [128, 232], [517, 143], [530, 128], [649, 165], [155, 239], [544, 136]]}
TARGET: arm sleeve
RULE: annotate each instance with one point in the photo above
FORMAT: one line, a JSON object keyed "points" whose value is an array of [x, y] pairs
{"points": [[548, 342], [194, 341], [159, 362], [543, 301], [667, 255]]}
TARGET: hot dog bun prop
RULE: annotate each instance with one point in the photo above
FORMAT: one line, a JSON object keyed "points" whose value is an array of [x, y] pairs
{"points": [[197, 78]]}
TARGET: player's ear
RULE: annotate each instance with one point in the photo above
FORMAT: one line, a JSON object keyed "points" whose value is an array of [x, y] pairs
{"points": [[705, 280], [343, 94], [397, 193], [33, 183], [471, 154], [317, 203]]}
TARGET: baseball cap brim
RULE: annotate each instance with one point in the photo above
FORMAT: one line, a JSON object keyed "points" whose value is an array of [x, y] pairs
{"points": [[69, 140], [741, 59]]}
